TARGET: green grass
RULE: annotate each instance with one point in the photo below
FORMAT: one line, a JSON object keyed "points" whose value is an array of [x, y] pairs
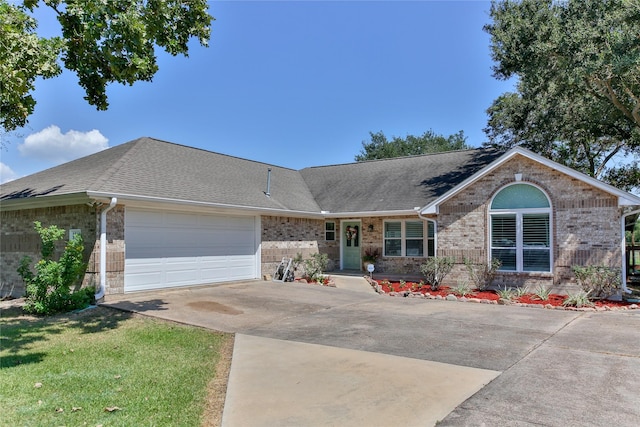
{"points": [[155, 372]]}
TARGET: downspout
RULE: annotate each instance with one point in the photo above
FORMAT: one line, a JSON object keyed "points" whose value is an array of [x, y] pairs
{"points": [[103, 249], [435, 231], [624, 250]]}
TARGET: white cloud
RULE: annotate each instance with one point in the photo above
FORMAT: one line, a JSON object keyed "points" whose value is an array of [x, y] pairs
{"points": [[6, 173], [53, 146]]}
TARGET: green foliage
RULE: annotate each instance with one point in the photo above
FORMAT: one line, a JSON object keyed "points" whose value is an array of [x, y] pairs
{"points": [[49, 289], [506, 293], [315, 266], [597, 280], [429, 142], [102, 42], [579, 299], [542, 293], [462, 289], [482, 275], [23, 58], [436, 269], [371, 255], [632, 233], [577, 98]]}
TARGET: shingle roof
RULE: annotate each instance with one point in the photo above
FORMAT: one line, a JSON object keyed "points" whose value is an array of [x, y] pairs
{"points": [[152, 168], [393, 184]]}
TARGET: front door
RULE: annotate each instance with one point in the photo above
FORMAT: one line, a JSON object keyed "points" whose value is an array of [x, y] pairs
{"points": [[350, 238]]}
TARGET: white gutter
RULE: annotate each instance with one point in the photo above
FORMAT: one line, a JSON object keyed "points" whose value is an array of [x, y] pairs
{"points": [[103, 249], [624, 250]]}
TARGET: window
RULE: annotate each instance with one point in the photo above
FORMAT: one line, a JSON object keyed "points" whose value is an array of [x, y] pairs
{"points": [[520, 229], [409, 238], [330, 230]]}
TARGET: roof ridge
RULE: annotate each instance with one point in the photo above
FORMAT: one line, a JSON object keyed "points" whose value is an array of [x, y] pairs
{"points": [[219, 154], [414, 156], [116, 166]]}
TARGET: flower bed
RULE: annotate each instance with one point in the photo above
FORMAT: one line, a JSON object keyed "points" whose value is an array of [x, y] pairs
{"points": [[554, 301]]}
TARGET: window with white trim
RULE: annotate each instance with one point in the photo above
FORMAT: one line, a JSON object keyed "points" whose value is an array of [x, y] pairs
{"points": [[409, 238], [521, 229], [330, 230]]}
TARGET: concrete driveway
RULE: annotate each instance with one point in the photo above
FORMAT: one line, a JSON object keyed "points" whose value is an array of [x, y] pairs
{"points": [[311, 355]]}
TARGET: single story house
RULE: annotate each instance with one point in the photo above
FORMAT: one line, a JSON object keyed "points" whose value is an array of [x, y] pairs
{"points": [[155, 214]]}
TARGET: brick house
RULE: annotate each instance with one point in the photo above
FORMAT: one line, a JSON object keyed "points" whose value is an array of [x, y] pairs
{"points": [[155, 214]]}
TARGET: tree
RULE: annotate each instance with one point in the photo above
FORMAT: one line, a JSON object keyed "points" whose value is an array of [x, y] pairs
{"points": [[103, 41], [577, 98], [381, 148]]}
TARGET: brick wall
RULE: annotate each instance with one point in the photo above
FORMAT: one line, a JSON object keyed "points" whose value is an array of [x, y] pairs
{"points": [[286, 237], [585, 224], [19, 239]]}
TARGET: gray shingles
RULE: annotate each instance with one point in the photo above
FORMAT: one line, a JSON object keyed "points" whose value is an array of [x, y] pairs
{"points": [[393, 184], [153, 168]]}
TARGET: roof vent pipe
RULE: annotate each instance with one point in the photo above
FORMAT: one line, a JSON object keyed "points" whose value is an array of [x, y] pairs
{"points": [[103, 249], [268, 192]]}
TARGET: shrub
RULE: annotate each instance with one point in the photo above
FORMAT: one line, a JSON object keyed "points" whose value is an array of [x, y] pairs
{"points": [[542, 293], [315, 266], [506, 293], [482, 275], [48, 291], [436, 269], [579, 299], [597, 280], [462, 289]]}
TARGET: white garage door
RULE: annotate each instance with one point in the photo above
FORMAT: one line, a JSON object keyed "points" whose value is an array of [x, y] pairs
{"points": [[169, 249]]}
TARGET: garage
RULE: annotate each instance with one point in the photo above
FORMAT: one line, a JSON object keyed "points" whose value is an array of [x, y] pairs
{"points": [[167, 249]]}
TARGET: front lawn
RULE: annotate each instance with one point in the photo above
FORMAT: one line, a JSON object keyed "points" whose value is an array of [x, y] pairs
{"points": [[106, 367]]}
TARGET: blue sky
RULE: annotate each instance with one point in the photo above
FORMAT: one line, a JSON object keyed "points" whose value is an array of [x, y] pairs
{"points": [[292, 83]]}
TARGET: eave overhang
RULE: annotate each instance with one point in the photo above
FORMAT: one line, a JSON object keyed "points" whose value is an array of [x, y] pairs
{"points": [[624, 198]]}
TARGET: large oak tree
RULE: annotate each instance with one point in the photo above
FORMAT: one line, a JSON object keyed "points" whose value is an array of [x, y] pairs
{"points": [[102, 41], [577, 98]]}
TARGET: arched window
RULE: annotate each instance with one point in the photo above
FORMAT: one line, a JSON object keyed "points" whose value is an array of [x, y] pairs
{"points": [[520, 229]]}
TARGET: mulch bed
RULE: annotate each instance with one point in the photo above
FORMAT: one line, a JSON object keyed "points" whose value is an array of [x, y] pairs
{"points": [[555, 301]]}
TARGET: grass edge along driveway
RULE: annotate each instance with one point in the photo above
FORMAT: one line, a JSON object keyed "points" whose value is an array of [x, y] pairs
{"points": [[107, 367]]}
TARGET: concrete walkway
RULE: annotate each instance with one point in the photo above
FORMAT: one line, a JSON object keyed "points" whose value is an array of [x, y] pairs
{"points": [[352, 283], [284, 383], [320, 356]]}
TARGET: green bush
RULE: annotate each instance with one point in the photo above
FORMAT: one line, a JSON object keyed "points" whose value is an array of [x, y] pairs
{"points": [[598, 281], [48, 291], [436, 269], [579, 299], [315, 266], [482, 275]]}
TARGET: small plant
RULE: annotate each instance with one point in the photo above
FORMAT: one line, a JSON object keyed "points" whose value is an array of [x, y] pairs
{"points": [[542, 293], [315, 266], [436, 269], [506, 293], [48, 291], [402, 284], [519, 292], [371, 255], [462, 289], [482, 275], [579, 299], [597, 280]]}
